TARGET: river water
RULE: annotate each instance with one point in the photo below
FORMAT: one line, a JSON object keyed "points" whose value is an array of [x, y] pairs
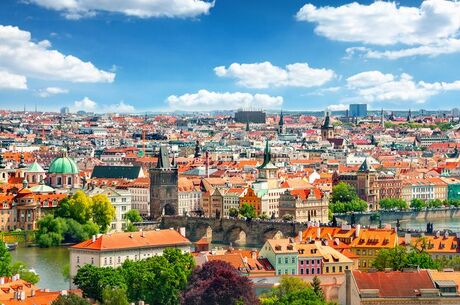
{"points": [[48, 263]]}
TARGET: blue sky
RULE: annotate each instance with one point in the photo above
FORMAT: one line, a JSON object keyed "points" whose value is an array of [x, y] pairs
{"points": [[274, 54]]}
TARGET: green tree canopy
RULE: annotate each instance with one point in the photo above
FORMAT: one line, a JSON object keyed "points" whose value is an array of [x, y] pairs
{"points": [[344, 199], [393, 203], [417, 204], [70, 299], [292, 290], [102, 211], [5, 260], [22, 269], [248, 211], [77, 207], [400, 257], [133, 215], [114, 296]]}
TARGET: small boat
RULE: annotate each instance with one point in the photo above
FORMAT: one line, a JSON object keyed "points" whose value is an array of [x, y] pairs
{"points": [[12, 247]]}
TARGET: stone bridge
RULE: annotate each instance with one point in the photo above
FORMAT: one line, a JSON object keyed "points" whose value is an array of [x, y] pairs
{"points": [[234, 231]]}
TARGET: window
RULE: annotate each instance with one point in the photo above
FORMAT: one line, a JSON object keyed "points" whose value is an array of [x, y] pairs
{"points": [[301, 271], [327, 269], [293, 271], [319, 270], [306, 262], [119, 259], [92, 260], [78, 259], [286, 261], [123, 208], [307, 271], [293, 260], [105, 260], [312, 271], [69, 180], [59, 181], [279, 260], [285, 271], [340, 269], [333, 269]]}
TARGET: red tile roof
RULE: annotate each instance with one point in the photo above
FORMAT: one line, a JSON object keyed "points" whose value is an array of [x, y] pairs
{"points": [[394, 283], [127, 240]]}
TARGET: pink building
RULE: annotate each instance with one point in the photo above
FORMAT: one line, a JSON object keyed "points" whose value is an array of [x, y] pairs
{"points": [[310, 259]]}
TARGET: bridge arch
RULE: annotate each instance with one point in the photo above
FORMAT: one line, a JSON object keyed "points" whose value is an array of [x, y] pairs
{"points": [[236, 235]]}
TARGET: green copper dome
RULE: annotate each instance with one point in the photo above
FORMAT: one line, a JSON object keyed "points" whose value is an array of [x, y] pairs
{"points": [[63, 165]]}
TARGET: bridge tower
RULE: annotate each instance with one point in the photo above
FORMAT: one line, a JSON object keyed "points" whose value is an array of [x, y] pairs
{"points": [[164, 198]]}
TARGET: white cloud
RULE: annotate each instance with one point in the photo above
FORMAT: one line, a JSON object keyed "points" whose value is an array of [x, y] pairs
{"points": [[12, 81], [264, 75], [206, 100], [86, 104], [337, 107], [75, 9], [19, 54], [121, 107], [430, 29], [46, 92], [373, 86]]}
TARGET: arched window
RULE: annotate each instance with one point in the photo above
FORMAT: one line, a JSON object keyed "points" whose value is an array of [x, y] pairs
{"points": [[33, 179], [59, 181], [69, 180]]}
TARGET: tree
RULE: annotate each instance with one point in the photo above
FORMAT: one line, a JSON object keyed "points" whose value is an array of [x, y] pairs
{"points": [[70, 299], [77, 207], [93, 280], [159, 279], [417, 204], [292, 290], [393, 203], [218, 283], [316, 286], [232, 212], [344, 199], [5, 260], [21, 268], [343, 192], [114, 296], [400, 257], [288, 217], [77, 232], [445, 262], [133, 216], [248, 211], [102, 211], [50, 231], [435, 203]]}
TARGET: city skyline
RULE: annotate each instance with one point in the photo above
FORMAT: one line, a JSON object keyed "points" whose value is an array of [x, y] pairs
{"points": [[223, 55]]}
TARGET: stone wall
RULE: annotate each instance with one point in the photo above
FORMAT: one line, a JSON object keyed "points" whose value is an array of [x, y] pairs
{"points": [[234, 231], [392, 216]]}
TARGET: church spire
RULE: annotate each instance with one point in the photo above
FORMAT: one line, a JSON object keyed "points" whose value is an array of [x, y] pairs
{"points": [[267, 155]]}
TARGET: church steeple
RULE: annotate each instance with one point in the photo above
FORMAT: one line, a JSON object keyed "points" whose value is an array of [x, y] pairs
{"points": [[267, 155], [247, 126], [281, 123], [327, 130], [197, 149], [409, 116], [21, 162]]}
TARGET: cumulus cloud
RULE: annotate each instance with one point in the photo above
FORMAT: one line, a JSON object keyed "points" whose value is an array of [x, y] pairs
{"points": [[76, 9], [47, 92], [430, 29], [206, 100], [88, 105], [337, 107], [20, 55], [373, 86], [12, 81], [264, 75]]}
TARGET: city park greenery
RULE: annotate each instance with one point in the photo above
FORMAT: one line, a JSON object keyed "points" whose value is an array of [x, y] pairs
{"points": [[77, 218]]}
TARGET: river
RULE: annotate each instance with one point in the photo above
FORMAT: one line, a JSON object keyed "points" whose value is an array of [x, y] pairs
{"points": [[48, 263]]}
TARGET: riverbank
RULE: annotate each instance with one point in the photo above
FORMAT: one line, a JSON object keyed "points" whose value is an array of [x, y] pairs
{"points": [[47, 262], [434, 215]]}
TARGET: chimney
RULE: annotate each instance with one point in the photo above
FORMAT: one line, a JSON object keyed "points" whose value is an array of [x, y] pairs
{"points": [[32, 292], [142, 233], [300, 236], [254, 254], [348, 287], [2, 280], [318, 232], [93, 238], [358, 230], [182, 231], [245, 260], [22, 295], [407, 239], [63, 292], [18, 277]]}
